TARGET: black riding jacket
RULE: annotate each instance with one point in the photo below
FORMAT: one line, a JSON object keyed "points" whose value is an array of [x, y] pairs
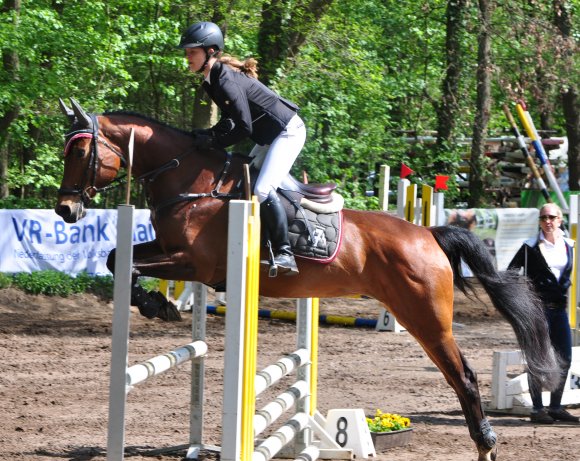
{"points": [[248, 107], [554, 293]]}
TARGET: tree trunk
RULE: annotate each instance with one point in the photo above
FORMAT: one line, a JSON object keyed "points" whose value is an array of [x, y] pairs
{"points": [[280, 37], [11, 65], [448, 107], [483, 103], [205, 112], [570, 103], [569, 91]]}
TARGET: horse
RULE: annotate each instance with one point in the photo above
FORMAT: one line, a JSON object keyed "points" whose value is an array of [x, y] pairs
{"points": [[410, 269]]}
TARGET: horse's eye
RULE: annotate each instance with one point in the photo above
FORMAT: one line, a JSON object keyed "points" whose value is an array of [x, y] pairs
{"points": [[79, 152]]}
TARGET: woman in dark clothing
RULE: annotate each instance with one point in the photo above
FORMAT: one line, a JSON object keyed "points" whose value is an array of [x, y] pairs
{"points": [[547, 261], [249, 109]]}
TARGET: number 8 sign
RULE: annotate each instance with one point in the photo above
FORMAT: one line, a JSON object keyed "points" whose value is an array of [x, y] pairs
{"points": [[349, 430]]}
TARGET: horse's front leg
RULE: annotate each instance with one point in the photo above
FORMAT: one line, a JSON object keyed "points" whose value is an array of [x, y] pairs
{"points": [[149, 260]]}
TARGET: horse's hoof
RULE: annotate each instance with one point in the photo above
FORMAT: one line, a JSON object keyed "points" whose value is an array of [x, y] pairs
{"points": [[487, 455], [169, 313], [153, 304]]}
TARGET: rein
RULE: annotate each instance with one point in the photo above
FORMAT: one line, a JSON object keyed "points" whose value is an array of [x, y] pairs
{"points": [[90, 176], [214, 193]]}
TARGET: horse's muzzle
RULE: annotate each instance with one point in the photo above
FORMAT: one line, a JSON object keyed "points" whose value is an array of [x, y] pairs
{"points": [[70, 212]]}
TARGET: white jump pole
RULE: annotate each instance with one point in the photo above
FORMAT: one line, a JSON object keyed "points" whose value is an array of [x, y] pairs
{"points": [[120, 341], [239, 211]]}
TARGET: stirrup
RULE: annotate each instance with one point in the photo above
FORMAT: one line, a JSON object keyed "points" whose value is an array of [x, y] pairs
{"points": [[275, 267]]}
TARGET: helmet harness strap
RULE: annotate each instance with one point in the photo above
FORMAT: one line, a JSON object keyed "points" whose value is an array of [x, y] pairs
{"points": [[208, 56]]}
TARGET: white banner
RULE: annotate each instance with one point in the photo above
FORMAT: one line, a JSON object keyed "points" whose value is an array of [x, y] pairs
{"points": [[35, 240], [503, 230]]}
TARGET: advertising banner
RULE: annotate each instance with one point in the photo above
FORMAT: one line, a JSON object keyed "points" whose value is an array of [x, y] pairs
{"points": [[35, 240], [503, 230]]}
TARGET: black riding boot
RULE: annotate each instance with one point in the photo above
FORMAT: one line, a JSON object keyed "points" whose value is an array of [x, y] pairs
{"points": [[275, 223]]}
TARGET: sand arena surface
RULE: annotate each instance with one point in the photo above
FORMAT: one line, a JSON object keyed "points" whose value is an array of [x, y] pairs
{"points": [[54, 381]]}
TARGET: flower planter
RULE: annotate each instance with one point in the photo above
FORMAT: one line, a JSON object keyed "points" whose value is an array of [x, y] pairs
{"points": [[385, 440]]}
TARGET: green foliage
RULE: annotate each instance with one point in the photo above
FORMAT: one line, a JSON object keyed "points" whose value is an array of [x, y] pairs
{"points": [[149, 283], [15, 203], [365, 76], [5, 281], [56, 283]]}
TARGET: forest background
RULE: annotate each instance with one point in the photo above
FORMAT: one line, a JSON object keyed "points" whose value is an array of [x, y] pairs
{"points": [[366, 73]]}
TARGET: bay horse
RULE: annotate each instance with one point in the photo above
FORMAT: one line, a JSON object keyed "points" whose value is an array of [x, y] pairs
{"points": [[410, 269]]}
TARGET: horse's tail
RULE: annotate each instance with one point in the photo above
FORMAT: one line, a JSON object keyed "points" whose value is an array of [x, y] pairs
{"points": [[511, 296]]}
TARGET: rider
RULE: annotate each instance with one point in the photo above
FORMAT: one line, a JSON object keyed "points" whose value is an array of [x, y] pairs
{"points": [[249, 109]]}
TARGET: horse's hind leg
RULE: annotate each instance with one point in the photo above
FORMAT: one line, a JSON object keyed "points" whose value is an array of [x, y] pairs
{"points": [[463, 379]]}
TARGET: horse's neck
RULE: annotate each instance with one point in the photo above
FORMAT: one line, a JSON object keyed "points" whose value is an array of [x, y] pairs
{"points": [[154, 146]]}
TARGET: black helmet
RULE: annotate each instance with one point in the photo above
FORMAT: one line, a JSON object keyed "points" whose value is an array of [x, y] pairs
{"points": [[202, 34]]}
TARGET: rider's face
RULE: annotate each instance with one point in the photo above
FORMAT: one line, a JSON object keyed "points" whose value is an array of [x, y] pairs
{"points": [[195, 58]]}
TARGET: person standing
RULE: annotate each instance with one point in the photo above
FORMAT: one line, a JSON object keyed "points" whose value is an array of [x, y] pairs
{"points": [[547, 262], [249, 109]]}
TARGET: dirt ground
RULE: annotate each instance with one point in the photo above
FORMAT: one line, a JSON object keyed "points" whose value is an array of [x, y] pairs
{"points": [[54, 382]]}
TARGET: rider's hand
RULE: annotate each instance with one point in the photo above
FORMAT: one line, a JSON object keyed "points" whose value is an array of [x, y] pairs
{"points": [[203, 141], [201, 131]]}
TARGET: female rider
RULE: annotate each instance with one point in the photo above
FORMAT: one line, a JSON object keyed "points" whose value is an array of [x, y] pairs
{"points": [[249, 109]]}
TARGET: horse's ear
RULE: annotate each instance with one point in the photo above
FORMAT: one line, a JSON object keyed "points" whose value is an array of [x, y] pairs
{"points": [[66, 110], [80, 114]]}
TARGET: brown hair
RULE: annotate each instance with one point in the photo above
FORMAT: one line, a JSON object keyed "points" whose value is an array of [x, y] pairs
{"points": [[248, 66]]}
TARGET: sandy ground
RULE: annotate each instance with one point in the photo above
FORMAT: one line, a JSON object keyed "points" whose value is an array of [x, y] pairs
{"points": [[54, 382]]}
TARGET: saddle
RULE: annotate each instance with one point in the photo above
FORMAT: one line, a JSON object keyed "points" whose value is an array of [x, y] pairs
{"points": [[314, 214]]}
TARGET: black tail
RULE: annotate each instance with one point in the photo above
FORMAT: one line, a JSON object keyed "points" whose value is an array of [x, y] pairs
{"points": [[511, 296]]}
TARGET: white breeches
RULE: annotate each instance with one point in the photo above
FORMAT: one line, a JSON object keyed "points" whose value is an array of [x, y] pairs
{"points": [[275, 160]]}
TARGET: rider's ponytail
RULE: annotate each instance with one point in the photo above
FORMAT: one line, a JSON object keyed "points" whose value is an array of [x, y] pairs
{"points": [[248, 66]]}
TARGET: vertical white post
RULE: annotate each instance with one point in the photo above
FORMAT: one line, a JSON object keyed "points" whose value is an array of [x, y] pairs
{"points": [[439, 203], [303, 341], [239, 212], [384, 179], [402, 186], [198, 323], [498, 380], [120, 341]]}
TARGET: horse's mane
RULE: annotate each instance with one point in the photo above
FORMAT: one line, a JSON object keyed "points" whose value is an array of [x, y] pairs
{"points": [[129, 113], [146, 118]]}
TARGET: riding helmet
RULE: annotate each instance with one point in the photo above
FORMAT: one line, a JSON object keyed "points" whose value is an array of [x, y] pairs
{"points": [[202, 34]]}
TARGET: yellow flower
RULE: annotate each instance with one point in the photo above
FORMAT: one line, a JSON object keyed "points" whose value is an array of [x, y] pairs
{"points": [[386, 422]]}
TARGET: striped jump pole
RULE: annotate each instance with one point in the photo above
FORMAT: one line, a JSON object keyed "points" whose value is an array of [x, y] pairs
{"points": [[530, 128], [524, 150]]}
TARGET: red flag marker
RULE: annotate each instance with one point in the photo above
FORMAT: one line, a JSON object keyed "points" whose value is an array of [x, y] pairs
{"points": [[405, 171], [441, 182]]}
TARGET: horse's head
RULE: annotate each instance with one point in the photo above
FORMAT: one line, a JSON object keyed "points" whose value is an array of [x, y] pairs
{"points": [[87, 169]]}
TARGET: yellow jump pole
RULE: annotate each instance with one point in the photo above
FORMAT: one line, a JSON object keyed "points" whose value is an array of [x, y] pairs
{"points": [[314, 355], [251, 334]]}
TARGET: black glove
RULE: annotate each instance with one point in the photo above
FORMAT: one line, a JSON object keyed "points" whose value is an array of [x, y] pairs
{"points": [[204, 141], [201, 131]]}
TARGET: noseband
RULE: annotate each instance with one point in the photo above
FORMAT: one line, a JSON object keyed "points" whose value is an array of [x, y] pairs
{"points": [[88, 186]]}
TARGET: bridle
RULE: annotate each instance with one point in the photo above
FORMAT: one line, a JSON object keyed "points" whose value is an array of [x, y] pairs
{"points": [[87, 188], [89, 129]]}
